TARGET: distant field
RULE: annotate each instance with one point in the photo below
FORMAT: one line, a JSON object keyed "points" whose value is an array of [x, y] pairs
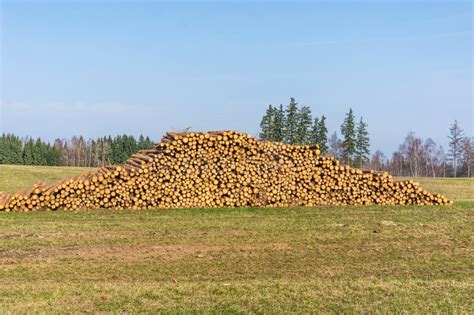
{"points": [[453, 188], [16, 177], [374, 259]]}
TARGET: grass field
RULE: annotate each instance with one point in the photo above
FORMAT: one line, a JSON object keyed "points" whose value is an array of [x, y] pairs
{"points": [[16, 177], [327, 259]]}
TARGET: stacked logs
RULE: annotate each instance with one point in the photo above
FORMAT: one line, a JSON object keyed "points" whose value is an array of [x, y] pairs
{"points": [[222, 169]]}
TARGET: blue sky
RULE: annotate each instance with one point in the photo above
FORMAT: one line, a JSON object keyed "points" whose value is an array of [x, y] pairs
{"points": [[111, 67]]}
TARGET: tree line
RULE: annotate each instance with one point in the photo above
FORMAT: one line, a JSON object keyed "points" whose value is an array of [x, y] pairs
{"points": [[76, 151], [295, 125], [423, 157], [291, 124], [415, 157]]}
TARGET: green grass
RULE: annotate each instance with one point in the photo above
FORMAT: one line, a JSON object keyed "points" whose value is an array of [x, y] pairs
{"points": [[16, 177], [453, 188], [354, 259], [323, 259]]}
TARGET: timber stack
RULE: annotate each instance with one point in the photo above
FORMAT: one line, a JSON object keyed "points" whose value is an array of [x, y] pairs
{"points": [[222, 169]]}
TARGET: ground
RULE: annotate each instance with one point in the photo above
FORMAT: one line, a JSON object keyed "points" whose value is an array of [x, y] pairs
{"points": [[347, 259]]}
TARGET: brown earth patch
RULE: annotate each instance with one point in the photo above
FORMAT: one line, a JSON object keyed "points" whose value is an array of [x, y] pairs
{"points": [[114, 234], [129, 252]]}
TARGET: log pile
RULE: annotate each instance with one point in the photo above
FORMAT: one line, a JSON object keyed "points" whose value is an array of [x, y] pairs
{"points": [[222, 169]]}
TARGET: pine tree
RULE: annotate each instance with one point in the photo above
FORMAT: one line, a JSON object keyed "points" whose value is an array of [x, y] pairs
{"points": [[132, 146], [303, 129], [115, 149], [362, 147], [11, 149], [37, 152], [28, 150], [277, 124], [323, 135], [51, 155], [148, 143], [315, 132], [124, 151], [141, 142], [291, 122], [266, 125], [4, 152], [349, 138], [108, 151], [455, 145]]}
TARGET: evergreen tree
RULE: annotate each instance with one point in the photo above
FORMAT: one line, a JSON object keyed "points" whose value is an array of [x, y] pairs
{"points": [[122, 149], [28, 151], [4, 150], [52, 155], [144, 143], [108, 151], [114, 149], [455, 145], [266, 124], [141, 142], [277, 124], [315, 132], [349, 138], [323, 135], [303, 130], [39, 150], [291, 122], [130, 146], [362, 146], [11, 149], [148, 143]]}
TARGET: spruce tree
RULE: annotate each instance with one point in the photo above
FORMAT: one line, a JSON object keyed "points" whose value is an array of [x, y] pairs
{"points": [[4, 152], [148, 143], [132, 146], [323, 135], [28, 152], [455, 145], [37, 152], [108, 151], [115, 150], [141, 142], [11, 149], [362, 154], [277, 124], [349, 138], [315, 132], [291, 122], [123, 152], [144, 143], [52, 155], [303, 129], [266, 124]]}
